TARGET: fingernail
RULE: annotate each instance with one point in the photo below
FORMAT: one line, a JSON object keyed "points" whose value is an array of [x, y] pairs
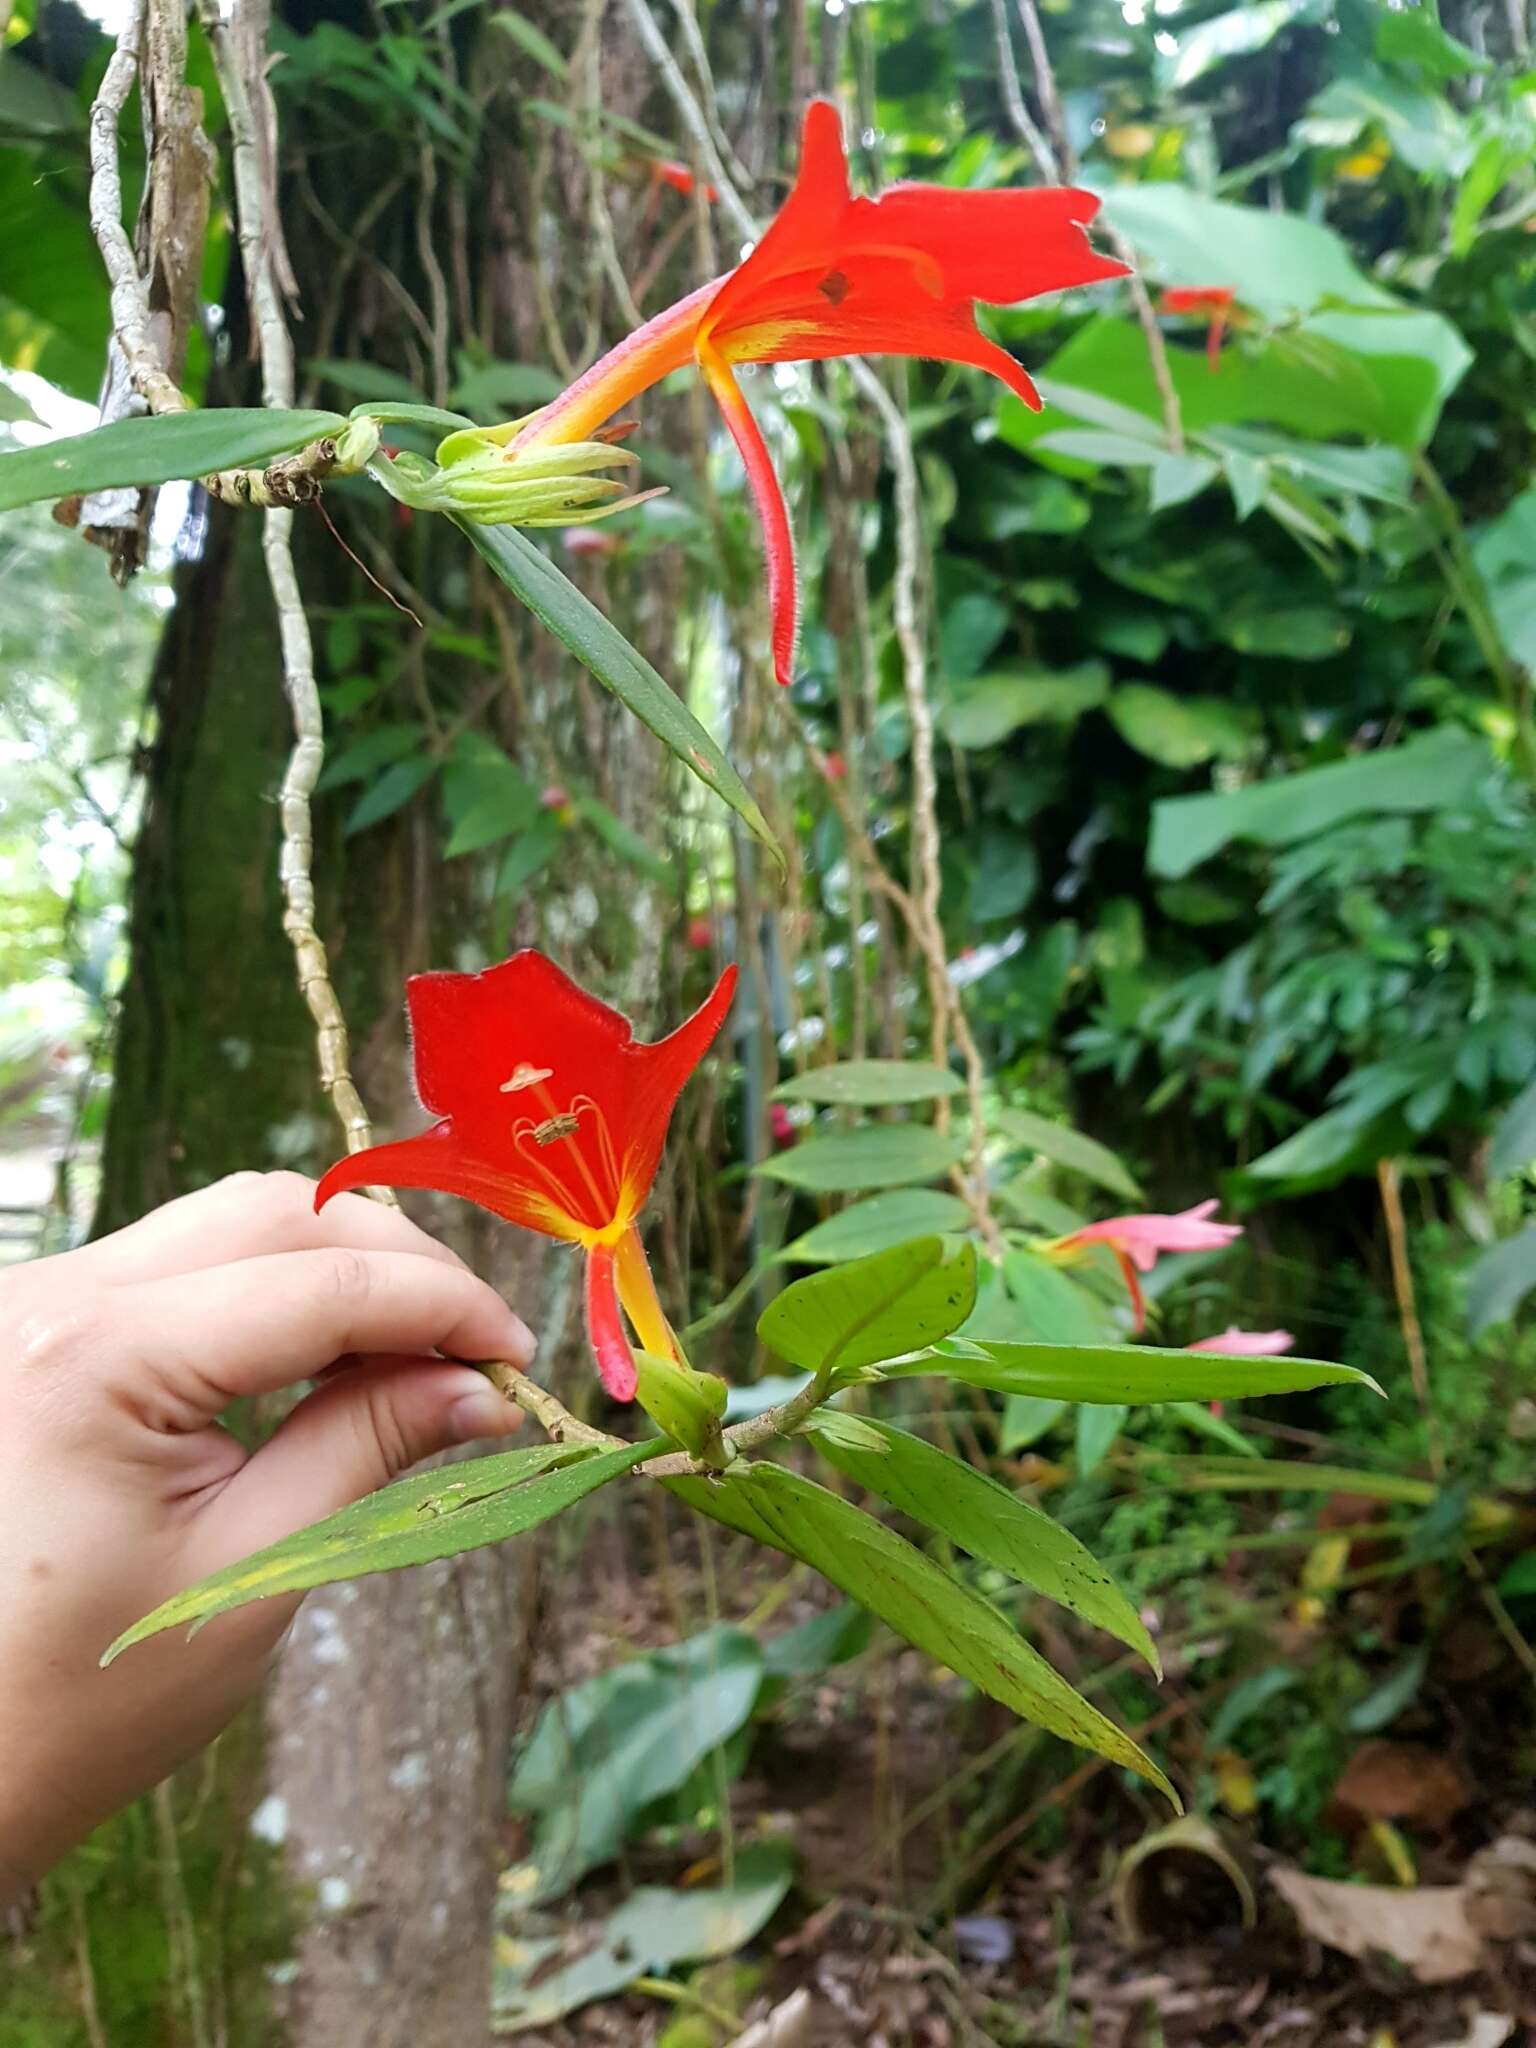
{"points": [[481, 1414], [524, 1343]]}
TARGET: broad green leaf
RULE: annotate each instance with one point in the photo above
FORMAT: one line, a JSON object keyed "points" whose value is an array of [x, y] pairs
{"points": [[1505, 552], [158, 450], [816, 1645], [392, 792], [1437, 771], [1413, 36], [365, 381], [871, 1083], [1128, 1373], [1514, 1137], [1180, 732], [436, 1514], [1026, 1420], [533, 850], [602, 649], [988, 1522], [1072, 1149], [604, 1751], [651, 1933], [1048, 1306], [503, 387], [878, 1156], [1238, 34], [1499, 1280], [921, 1602], [857, 1314], [878, 1223], [627, 844], [1422, 128], [985, 711]]}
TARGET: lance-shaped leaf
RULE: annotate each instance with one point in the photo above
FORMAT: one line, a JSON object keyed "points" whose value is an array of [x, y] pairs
{"points": [[987, 1521], [158, 449], [878, 1156], [602, 650], [436, 1514], [871, 1083], [855, 1315], [1133, 1373], [876, 1224], [921, 1602]]}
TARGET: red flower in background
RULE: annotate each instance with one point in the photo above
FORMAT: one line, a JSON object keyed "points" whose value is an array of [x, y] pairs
{"points": [[836, 275], [552, 1116], [667, 171], [1215, 299]]}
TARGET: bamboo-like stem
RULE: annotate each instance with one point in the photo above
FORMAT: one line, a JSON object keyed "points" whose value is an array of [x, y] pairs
{"points": [[131, 332], [238, 44], [1389, 1181]]}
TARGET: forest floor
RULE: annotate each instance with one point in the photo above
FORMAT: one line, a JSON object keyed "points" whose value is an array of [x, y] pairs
{"points": [[864, 1770]]}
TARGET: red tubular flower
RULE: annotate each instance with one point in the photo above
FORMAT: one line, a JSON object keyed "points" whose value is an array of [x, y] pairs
{"points": [[1136, 1242], [836, 275], [551, 1116], [667, 170], [1215, 299]]}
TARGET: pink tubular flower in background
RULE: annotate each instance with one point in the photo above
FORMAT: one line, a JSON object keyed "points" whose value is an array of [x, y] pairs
{"points": [[1247, 1343], [1136, 1242], [1215, 299]]}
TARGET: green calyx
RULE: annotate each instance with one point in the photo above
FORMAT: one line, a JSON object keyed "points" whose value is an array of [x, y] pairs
{"points": [[477, 477]]}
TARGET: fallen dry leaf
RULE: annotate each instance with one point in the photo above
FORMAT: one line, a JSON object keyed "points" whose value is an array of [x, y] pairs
{"points": [[787, 2026], [1401, 1781], [1426, 1929], [1487, 2030]]}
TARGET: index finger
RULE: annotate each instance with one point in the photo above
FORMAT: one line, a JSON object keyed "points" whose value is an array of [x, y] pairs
{"points": [[182, 1349], [245, 1216]]}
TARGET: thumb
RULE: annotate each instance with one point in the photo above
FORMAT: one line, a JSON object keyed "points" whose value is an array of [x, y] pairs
{"points": [[362, 1428]]}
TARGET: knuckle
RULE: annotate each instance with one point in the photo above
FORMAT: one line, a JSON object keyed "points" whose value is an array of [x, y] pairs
{"points": [[285, 1192], [348, 1276], [50, 1336]]}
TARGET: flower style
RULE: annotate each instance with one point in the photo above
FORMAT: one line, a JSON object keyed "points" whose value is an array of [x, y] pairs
{"points": [[1215, 299], [551, 1116], [1136, 1242], [836, 275], [1247, 1343]]}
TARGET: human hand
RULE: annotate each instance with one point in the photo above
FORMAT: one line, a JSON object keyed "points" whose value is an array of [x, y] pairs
{"points": [[120, 1487]]}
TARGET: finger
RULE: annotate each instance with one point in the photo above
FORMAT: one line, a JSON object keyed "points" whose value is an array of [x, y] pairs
{"points": [[248, 1216], [350, 1437], [181, 1350]]}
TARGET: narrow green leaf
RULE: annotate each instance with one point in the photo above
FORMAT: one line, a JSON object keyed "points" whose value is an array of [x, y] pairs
{"points": [[392, 413], [921, 1602], [158, 449], [1500, 1278], [871, 1083], [392, 792], [1069, 1148], [1097, 1426], [601, 649], [532, 41], [857, 1314], [877, 1223], [987, 1521], [1131, 1373], [879, 1156], [436, 1514]]}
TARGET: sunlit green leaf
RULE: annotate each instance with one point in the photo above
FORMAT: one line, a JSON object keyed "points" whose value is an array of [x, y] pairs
{"points": [[880, 1156], [1123, 1373], [871, 1083], [158, 449], [857, 1314]]}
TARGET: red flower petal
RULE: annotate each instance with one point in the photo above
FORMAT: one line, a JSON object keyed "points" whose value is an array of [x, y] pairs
{"points": [[551, 1114], [762, 480]]}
